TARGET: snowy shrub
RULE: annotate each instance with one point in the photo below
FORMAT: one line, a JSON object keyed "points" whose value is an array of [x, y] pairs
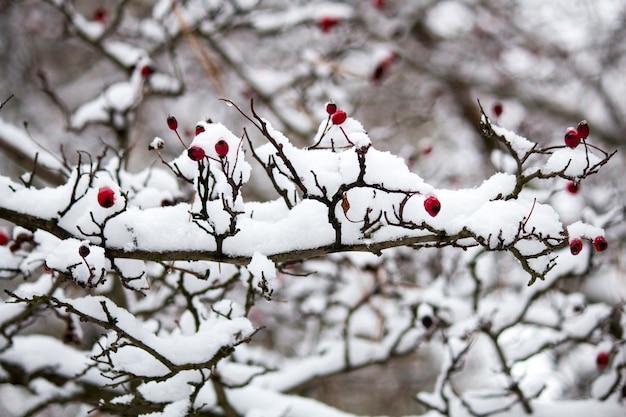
{"points": [[240, 259]]}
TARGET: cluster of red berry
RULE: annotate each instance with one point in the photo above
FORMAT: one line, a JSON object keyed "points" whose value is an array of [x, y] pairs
{"points": [[337, 116], [196, 153], [18, 242], [599, 243], [573, 136]]}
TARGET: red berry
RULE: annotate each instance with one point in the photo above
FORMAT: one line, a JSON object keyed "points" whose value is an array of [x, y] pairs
{"points": [[326, 23], [100, 15], [221, 148], [331, 108], [146, 71], [602, 360], [600, 243], [432, 205], [4, 239], [199, 129], [573, 187], [571, 138], [339, 117], [582, 129], [379, 4], [172, 123], [83, 251], [575, 246], [195, 153], [106, 197], [497, 109]]}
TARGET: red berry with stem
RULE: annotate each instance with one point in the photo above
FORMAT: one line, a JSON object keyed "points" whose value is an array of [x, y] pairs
{"points": [[600, 243], [199, 129], [196, 153], [4, 238], [575, 246], [379, 4], [432, 205], [106, 197], [326, 23], [172, 123], [602, 360], [573, 187], [582, 129], [221, 148], [571, 138], [339, 117], [331, 108]]}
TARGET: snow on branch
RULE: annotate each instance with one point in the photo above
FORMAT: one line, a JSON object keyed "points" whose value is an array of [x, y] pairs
{"points": [[339, 195]]}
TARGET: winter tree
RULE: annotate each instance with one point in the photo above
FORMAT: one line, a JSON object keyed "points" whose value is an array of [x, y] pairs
{"points": [[275, 208]]}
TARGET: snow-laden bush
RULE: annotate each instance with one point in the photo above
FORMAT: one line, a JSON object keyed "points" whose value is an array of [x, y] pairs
{"points": [[248, 255], [194, 262]]}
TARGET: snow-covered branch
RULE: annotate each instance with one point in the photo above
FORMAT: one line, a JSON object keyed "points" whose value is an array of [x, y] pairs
{"points": [[354, 198]]}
